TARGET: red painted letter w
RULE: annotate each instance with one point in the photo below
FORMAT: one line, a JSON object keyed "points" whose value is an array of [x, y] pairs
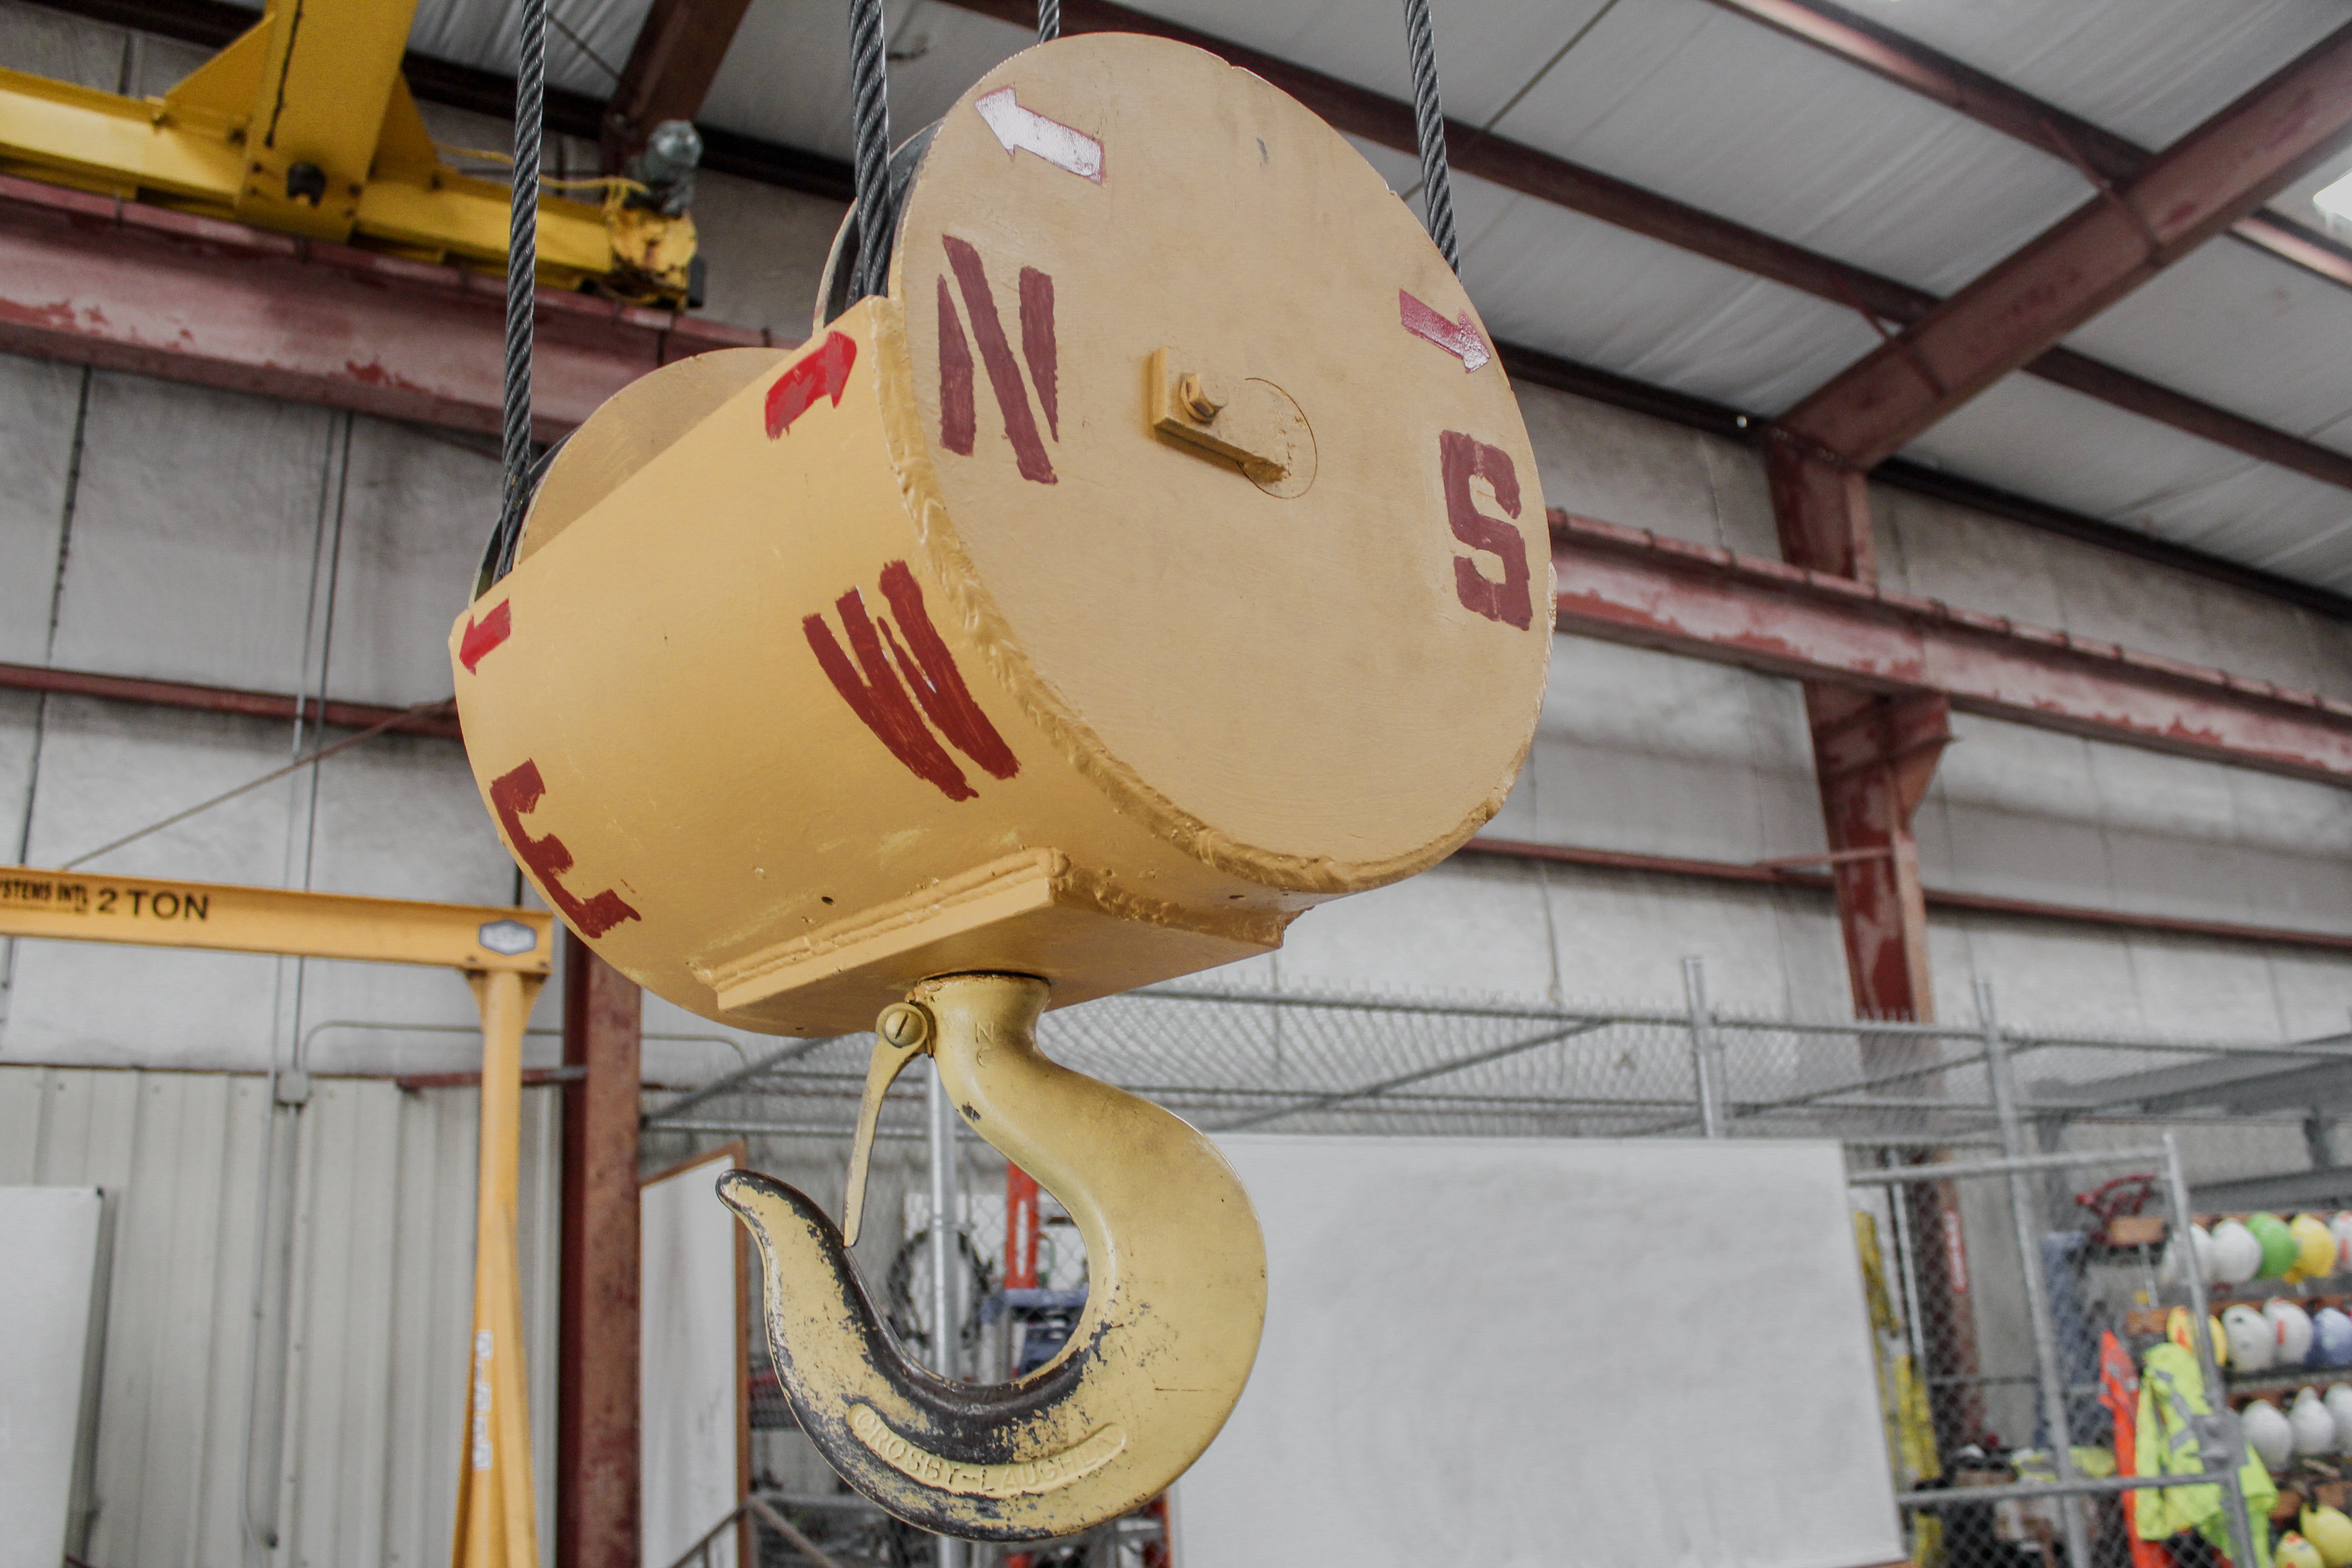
{"points": [[876, 687]]}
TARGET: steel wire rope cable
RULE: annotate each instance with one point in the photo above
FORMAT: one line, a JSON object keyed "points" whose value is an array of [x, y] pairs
{"points": [[523, 285], [1429, 122], [869, 94], [1049, 20]]}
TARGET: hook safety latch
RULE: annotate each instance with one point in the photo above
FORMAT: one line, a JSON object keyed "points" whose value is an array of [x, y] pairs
{"points": [[903, 1032]]}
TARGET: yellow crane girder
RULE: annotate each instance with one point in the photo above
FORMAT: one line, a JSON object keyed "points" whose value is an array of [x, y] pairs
{"points": [[305, 125]]}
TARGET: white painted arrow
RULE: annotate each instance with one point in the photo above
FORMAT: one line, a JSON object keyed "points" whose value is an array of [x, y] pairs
{"points": [[1057, 144], [1459, 337]]}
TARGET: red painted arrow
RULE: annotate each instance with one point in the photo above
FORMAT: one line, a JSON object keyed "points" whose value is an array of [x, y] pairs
{"points": [[824, 373], [478, 641], [1458, 338]]}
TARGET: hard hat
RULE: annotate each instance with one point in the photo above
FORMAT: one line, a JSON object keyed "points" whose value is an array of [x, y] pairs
{"points": [[2314, 1428], [2200, 1243], [2293, 1552], [2341, 1228], [2237, 1256], [2329, 1529], [2176, 1329], [2314, 1246], [2339, 1404], [2253, 1343], [2268, 1434], [2277, 1241], [2292, 1325], [2331, 1338]]}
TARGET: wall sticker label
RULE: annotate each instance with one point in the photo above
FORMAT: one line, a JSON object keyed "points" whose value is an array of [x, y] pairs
{"points": [[824, 373], [515, 795], [958, 411], [1458, 338], [479, 639], [1019, 129], [75, 896], [876, 686], [1511, 601]]}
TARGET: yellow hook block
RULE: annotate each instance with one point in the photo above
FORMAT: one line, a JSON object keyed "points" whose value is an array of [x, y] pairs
{"points": [[1175, 1301], [1161, 555]]}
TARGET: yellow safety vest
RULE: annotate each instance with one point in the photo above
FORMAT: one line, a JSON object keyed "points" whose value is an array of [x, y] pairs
{"points": [[2172, 1398]]}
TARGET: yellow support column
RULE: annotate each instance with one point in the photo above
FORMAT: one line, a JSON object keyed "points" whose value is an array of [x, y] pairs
{"points": [[497, 1504]]}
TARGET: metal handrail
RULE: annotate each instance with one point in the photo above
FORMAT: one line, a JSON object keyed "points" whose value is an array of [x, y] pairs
{"points": [[1955, 1170]]}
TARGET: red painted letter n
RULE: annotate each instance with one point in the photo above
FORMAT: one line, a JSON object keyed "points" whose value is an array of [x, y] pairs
{"points": [[1039, 349]]}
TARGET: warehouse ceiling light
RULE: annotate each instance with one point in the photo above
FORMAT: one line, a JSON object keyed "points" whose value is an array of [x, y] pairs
{"points": [[2336, 199]]}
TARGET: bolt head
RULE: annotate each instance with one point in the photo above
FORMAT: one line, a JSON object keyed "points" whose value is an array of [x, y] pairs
{"points": [[904, 1025], [1196, 399]]}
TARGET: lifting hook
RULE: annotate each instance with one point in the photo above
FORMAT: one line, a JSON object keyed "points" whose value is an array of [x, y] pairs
{"points": [[1175, 1303]]}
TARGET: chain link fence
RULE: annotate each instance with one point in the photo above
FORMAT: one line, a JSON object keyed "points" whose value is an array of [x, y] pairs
{"points": [[1994, 1288]]}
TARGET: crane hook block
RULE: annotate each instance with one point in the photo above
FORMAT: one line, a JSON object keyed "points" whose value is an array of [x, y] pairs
{"points": [[1159, 555], [1163, 555], [1176, 1296]]}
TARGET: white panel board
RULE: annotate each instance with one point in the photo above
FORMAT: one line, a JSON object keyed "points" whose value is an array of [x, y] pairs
{"points": [[690, 1428], [49, 1236], [1522, 1352]]}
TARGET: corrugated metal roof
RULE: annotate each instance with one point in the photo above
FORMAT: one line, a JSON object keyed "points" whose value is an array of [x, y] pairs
{"points": [[1708, 107], [1694, 102]]}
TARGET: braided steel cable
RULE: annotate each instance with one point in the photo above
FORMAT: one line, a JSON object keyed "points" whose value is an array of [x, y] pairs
{"points": [[870, 117], [1049, 20], [1429, 120], [522, 276]]}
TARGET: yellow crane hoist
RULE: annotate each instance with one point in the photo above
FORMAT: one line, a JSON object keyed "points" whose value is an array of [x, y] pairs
{"points": [[1158, 555], [305, 125]]}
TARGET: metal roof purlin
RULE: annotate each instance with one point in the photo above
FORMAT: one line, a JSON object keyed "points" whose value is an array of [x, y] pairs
{"points": [[2101, 155]]}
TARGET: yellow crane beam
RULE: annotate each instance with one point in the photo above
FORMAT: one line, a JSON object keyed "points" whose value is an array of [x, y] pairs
{"points": [[305, 125], [80, 906]]}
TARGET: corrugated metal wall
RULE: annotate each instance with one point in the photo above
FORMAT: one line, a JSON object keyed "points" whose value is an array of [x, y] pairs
{"points": [[351, 1379]]}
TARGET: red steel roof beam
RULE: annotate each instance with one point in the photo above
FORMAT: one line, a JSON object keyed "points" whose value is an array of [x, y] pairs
{"points": [[91, 280], [2085, 262], [1628, 586], [678, 49], [274, 706]]}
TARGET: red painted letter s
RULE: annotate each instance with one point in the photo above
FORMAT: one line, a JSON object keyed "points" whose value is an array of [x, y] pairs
{"points": [[1510, 601]]}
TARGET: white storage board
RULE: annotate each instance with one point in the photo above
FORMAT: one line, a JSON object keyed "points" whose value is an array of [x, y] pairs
{"points": [[1582, 1351], [690, 1430], [49, 1236]]}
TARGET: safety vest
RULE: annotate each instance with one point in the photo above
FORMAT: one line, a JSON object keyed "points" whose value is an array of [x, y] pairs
{"points": [[2175, 1418]]}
